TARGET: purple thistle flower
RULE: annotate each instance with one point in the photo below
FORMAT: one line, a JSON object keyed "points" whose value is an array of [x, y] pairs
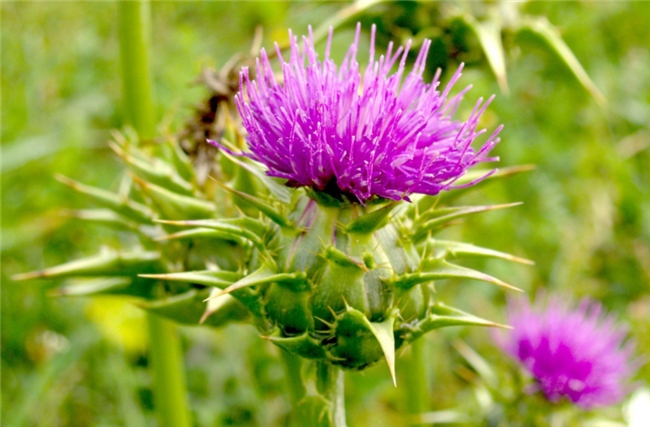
{"points": [[337, 131], [576, 353]]}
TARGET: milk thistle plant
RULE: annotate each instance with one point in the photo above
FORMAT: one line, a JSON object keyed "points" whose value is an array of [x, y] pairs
{"points": [[320, 228], [340, 269]]}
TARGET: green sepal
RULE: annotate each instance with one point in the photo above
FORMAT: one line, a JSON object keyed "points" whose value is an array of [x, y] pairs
{"points": [[172, 205], [108, 262], [446, 248], [155, 171], [303, 345], [123, 206], [437, 269], [435, 220], [215, 278], [187, 308], [440, 316]]}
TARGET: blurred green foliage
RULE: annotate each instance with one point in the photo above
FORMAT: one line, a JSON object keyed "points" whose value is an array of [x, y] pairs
{"points": [[585, 219]]}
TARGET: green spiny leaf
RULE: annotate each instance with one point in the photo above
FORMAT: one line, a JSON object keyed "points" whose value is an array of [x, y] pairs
{"points": [[187, 308], [442, 316], [105, 217], [92, 287], [265, 275], [435, 220], [122, 206], [123, 286], [156, 172], [280, 192], [220, 311], [489, 36], [445, 248], [182, 164], [545, 31], [204, 234], [474, 174], [384, 333], [437, 269], [107, 263], [246, 228], [217, 278], [175, 206], [303, 345], [479, 364], [269, 211]]}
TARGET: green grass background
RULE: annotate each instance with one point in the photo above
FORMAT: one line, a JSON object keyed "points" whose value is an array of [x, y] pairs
{"points": [[585, 220]]}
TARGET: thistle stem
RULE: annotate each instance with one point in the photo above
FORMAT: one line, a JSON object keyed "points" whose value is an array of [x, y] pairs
{"points": [[168, 373], [137, 92], [330, 385], [415, 372], [292, 367], [295, 388], [169, 387]]}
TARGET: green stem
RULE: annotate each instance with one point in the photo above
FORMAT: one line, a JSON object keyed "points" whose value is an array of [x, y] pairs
{"points": [[292, 369], [416, 388], [323, 404], [134, 32], [169, 376], [295, 387], [169, 387], [330, 385]]}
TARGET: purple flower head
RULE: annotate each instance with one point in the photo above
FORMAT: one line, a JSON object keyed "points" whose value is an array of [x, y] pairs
{"points": [[577, 353], [354, 134]]}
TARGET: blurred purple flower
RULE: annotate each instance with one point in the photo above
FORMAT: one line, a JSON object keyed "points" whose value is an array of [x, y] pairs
{"points": [[338, 132], [578, 353]]}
